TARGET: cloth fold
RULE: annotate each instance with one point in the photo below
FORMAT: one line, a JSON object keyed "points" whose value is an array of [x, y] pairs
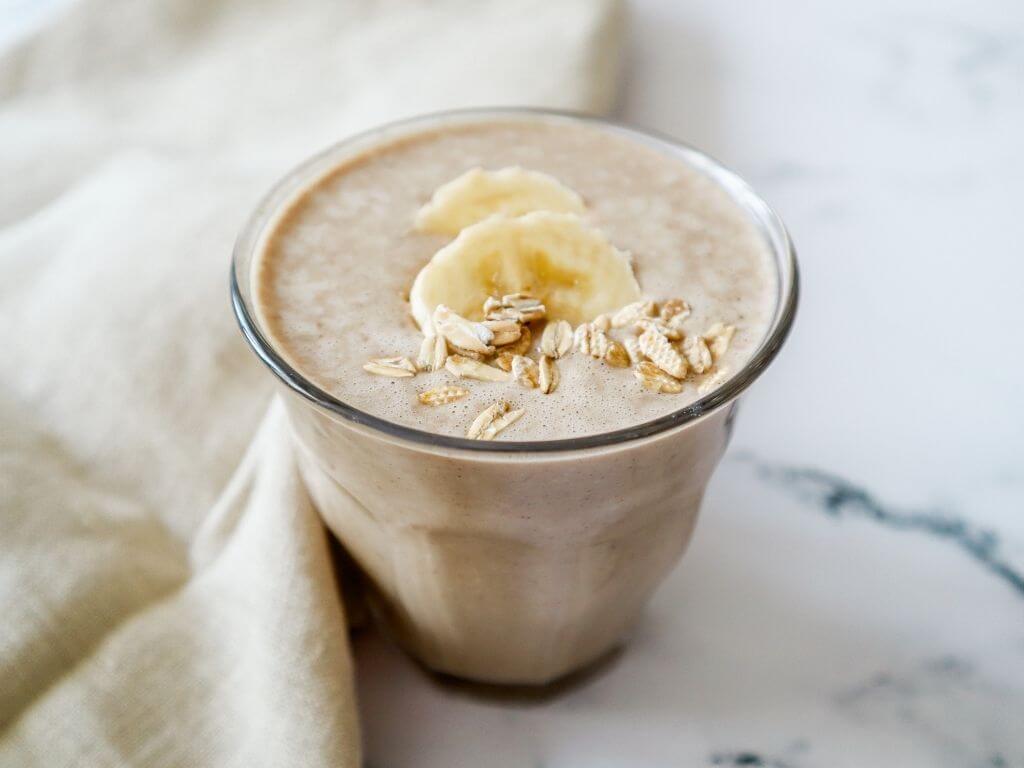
{"points": [[167, 589]]}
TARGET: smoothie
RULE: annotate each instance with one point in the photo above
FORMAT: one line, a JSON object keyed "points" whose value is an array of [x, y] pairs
{"points": [[527, 551], [334, 275]]}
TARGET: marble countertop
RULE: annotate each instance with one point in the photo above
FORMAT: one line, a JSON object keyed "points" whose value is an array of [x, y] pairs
{"points": [[854, 594]]}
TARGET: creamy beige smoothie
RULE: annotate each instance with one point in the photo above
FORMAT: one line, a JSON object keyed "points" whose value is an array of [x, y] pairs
{"points": [[517, 564], [335, 272]]}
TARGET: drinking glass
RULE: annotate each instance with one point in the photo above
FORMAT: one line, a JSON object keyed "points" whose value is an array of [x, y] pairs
{"points": [[504, 561]]}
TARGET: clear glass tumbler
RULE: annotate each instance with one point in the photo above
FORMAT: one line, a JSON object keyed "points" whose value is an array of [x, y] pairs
{"points": [[503, 561]]}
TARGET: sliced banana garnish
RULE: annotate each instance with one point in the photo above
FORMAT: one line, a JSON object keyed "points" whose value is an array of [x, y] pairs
{"points": [[556, 257], [477, 194]]}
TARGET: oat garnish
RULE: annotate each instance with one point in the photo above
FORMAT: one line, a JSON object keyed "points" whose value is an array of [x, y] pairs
{"points": [[463, 333], [485, 419], [525, 371], [529, 306], [520, 347], [491, 304], [442, 395], [670, 330], [718, 337], [468, 368], [714, 381], [675, 324], [504, 313], [478, 356], [633, 349], [557, 339], [397, 367], [697, 354], [617, 356], [581, 338], [599, 343], [505, 331], [673, 308], [549, 376], [504, 360], [433, 353], [521, 307], [656, 380], [633, 313], [591, 341], [492, 420], [501, 423], [661, 352]]}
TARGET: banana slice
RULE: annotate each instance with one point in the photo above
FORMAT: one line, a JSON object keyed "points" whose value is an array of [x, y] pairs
{"points": [[556, 257], [477, 194]]}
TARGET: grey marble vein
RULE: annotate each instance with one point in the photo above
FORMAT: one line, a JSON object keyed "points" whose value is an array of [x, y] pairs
{"points": [[837, 496], [753, 759]]}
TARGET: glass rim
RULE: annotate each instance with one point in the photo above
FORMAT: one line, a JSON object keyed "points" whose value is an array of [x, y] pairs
{"points": [[754, 206]]}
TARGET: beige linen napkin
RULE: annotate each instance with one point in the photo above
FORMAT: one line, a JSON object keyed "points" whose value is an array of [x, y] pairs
{"points": [[166, 589]]}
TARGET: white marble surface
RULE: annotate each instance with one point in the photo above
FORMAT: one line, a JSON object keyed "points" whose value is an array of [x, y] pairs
{"points": [[854, 595]]}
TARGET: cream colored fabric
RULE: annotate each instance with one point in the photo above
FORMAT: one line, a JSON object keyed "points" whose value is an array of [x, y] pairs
{"points": [[166, 589]]}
